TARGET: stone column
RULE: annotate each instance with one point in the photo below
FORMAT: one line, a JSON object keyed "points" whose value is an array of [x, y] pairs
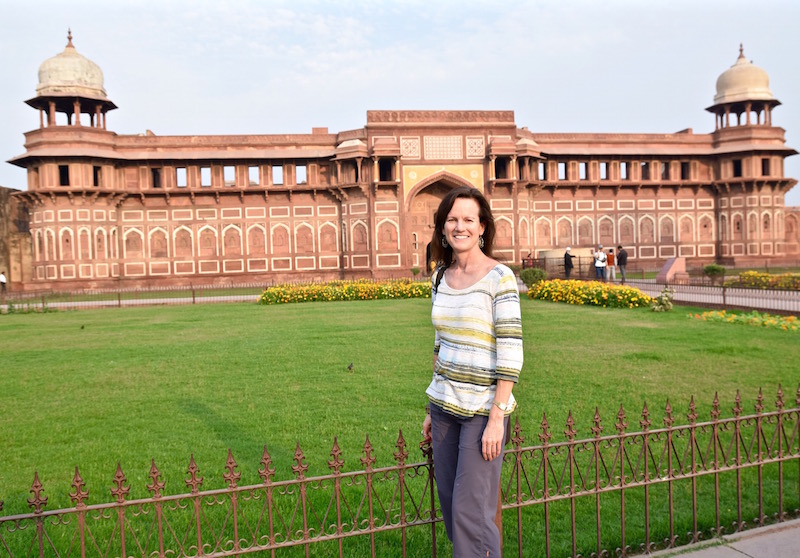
{"points": [[77, 110]]}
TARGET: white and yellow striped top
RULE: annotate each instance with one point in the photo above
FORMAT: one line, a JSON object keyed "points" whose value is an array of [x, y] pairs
{"points": [[478, 341]]}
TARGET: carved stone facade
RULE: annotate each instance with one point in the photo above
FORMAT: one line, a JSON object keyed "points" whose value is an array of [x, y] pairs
{"points": [[108, 209]]}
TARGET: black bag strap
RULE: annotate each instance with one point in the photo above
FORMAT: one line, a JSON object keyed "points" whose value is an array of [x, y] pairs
{"points": [[439, 274]]}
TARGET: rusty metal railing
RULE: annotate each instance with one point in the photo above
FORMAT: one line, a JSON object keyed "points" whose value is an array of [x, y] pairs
{"points": [[610, 494], [744, 458]]}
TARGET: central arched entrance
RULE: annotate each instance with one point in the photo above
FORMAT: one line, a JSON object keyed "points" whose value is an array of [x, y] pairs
{"points": [[424, 201], [421, 218]]}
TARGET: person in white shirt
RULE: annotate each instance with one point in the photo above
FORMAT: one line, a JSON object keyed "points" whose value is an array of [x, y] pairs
{"points": [[600, 264]]}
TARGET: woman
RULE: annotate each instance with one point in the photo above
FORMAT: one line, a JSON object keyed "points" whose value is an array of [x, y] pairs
{"points": [[477, 358]]}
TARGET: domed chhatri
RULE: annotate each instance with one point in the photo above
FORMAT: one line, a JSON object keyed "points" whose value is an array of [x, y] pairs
{"points": [[744, 81], [71, 74], [71, 84]]}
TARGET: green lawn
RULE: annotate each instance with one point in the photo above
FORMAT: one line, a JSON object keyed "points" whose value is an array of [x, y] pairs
{"points": [[93, 388]]}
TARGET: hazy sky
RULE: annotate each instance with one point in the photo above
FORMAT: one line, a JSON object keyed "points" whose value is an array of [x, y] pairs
{"points": [[182, 67]]}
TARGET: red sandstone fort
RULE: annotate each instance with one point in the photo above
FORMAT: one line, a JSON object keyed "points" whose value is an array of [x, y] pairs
{"points": [[105, 209]]}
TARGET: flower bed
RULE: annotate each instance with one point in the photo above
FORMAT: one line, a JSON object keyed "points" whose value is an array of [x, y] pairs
{"points": [[345, 290], [760, 280], [589, 293], [786, 323]]}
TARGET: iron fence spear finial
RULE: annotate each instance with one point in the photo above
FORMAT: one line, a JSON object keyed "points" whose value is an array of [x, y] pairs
{"points": [[38, 501], [737, 404], [231, 476], [299, 468], [645, 422], [668, 420], [267, 471], [621, 425], [336, 463], [759, 406], [119, 490], [156, 486], [715, 407], [517, 438], [79, 496], [368, 460], [545, 436], [692, 415], [402, 453], [570, 431], [195, 481], [597, 429]]}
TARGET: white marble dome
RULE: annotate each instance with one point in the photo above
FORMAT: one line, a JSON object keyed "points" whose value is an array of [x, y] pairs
{"points": [[70, 74], [744, 81]]}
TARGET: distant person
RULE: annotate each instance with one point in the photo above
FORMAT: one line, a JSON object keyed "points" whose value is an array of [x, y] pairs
{"points": [[622, 260], [568, 265], [2, 282], [611, 266], [600, 264]]}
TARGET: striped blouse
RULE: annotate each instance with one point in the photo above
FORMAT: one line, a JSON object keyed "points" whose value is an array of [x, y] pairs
{"points": [[478, 341]]}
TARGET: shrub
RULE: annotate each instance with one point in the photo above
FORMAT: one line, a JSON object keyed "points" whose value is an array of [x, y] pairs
{"points": [[663, 302], [592, 293], [785, 323], [713, 271], [415, 271], [760, 280], [532, 275], [345, 290]]}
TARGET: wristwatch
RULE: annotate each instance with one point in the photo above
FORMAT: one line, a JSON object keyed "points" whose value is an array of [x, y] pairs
{"points": [[502, 406]]}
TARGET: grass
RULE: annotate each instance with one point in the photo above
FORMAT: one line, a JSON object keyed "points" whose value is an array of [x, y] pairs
{"points": [[97, 387]]}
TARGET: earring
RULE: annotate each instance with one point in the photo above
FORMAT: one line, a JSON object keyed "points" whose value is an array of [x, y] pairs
{"points": [[444, 242], [480, 241]]}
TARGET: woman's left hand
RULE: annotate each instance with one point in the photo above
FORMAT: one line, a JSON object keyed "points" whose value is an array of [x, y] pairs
{"points": [[493, 436]]}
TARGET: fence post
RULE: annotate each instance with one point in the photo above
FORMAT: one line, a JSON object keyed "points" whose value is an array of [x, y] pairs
{"points": [[42, 303], [724, 301], [119, 299], [193, 295]]}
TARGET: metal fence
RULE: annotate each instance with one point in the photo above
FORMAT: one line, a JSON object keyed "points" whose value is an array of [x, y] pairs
{"points": [[609, 494], [724, 297], [43, 301], [694, 294]]}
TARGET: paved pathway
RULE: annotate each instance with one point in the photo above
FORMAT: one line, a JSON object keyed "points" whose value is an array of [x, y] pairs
{"points": [[775, 541]]}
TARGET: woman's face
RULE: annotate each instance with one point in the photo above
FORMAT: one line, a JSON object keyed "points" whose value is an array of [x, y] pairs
{"points": [[463, 226]]}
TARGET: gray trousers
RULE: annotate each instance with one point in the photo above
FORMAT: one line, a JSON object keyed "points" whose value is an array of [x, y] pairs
{"points": [[466, 483]]}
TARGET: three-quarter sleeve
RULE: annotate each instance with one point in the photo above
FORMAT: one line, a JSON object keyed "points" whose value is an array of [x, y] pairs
{"points": [[508, 328]]}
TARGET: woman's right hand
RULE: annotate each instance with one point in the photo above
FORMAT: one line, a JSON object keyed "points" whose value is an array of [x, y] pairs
{"points": [[426, 428]]}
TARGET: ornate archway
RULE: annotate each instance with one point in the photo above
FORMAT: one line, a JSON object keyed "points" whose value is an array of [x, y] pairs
{"points": [[423, 201]]}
